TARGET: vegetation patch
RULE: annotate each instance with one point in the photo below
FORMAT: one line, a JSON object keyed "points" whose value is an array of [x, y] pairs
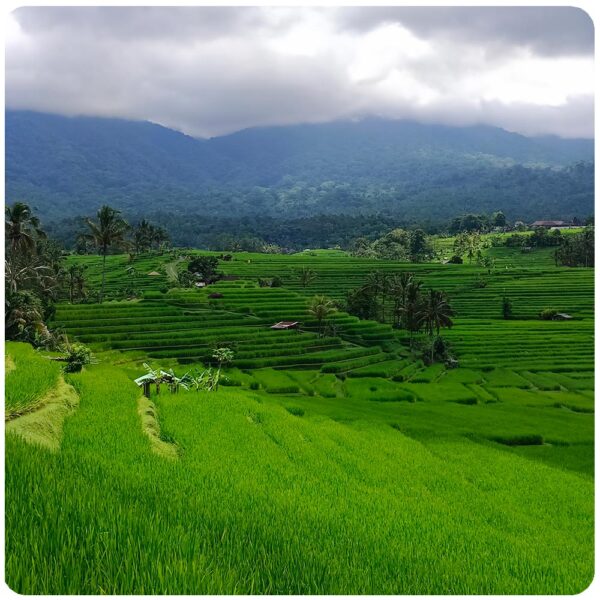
{"points": [[161, 444], [44, 425], [520, 440]]}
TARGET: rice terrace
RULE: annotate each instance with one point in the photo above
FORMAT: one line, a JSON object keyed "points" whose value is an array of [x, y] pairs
{"points": [[331, 459], [299, 300]]}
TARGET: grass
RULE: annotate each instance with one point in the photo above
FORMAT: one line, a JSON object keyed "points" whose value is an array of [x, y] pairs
{"points": [[44, 426], [298, 494], [29, 379], [334, 464]]}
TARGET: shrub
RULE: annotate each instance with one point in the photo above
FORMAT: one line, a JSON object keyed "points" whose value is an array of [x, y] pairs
{"points": [[456, 260], [77, 355], [547, 314]]}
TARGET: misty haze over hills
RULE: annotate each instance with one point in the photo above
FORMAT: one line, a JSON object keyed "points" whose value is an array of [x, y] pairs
{"points": [[69, 166]]}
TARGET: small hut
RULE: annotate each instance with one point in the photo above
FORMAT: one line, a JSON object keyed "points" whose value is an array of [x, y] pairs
{"points": [[286, 325], [562, 317], [154, 273]]}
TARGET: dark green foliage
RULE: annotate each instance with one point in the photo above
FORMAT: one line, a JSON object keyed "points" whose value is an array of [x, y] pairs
{"points": [[33, 276], [362, 302], [521, 440], [374, 166], [577, 250], [547, 314], [506, 308], [205, 267], [77, 355]]}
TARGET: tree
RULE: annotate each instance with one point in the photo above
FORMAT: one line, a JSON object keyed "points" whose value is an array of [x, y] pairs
{"points": [[23, 316], [469, 244], [378, 282], [306, 276], [362, 303], [410, 308], [107, 233], [75, 279], [499, 219], [160, 237], [436, 312], [487, 262], [506, 308], [394, 245], [576, 250], [205, 267], [419, 246], [321, 307], [398, 289], [22, 228], [222, 355], [142, 236]]}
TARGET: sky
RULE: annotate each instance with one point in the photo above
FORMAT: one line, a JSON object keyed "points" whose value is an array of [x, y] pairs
{"points": [[213, 71]]}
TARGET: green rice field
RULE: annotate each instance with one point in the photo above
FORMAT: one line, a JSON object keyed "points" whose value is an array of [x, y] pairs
{"points": [[324, 464]]}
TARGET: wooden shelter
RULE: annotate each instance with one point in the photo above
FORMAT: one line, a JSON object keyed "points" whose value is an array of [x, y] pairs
{"points": [[562, 317], [286, 325]]}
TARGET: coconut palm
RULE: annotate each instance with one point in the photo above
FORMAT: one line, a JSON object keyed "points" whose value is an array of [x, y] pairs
{"points": [[435, 312], [321, 307], [22, 228], [142, 236], [306, 276], [410, 307], [223, 356], [159, 237], [379, 283], [398, 289], [75, 282], [108, 232]]}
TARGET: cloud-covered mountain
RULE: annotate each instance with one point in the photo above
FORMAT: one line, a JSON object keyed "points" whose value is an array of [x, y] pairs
{"points": [[69, 166]]}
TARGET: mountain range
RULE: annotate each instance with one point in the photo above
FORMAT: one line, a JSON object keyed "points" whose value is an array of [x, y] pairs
{"points": [[68, 166]]}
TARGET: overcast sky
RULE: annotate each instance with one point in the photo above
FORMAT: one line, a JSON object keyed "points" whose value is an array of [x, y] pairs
{"points": [[210, 71]]}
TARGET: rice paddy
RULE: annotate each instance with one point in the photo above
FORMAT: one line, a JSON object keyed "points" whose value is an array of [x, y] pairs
{"points": [[328, 462]]}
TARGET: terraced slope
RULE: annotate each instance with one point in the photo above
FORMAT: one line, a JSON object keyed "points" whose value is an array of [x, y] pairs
{"points": [[274, 494], [186, 325]]}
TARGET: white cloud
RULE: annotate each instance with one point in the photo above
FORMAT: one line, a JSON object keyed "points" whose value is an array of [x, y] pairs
{"points": [[213, 71]]}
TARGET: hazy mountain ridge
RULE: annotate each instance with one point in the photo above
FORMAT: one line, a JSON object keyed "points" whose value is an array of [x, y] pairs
{"points": [[68, 166]]}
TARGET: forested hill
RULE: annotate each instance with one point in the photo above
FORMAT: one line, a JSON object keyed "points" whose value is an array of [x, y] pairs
{"points": [[68, 166]]}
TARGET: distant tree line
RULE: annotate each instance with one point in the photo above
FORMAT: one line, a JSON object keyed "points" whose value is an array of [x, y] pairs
{"points": [[398, 244]]}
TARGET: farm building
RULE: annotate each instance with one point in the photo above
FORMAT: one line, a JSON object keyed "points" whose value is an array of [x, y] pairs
{"points": [[549, 224], [154, 273], [561, 317], [286, 325]]}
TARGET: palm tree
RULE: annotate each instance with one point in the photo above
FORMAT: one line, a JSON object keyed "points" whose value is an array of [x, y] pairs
{"points": [[76, 282], [379, 283], [22, 228], [398, 288], [223, 356], [142, 236], [436, 312], [321, 307], [159, 237], [410, 307], [107, 233], [306, 276]]}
